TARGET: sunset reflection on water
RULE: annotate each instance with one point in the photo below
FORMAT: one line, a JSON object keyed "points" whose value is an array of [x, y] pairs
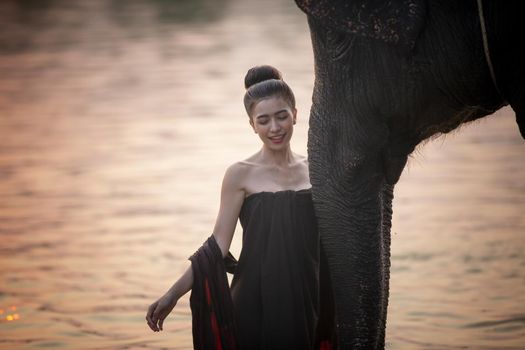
{"points": [[9, 314], [117, 122]]}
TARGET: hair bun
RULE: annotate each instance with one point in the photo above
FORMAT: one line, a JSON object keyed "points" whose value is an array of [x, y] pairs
{"points": [[261, 73]]}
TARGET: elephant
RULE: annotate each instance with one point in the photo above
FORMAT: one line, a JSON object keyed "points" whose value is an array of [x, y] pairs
{"points": [[388, 75]]}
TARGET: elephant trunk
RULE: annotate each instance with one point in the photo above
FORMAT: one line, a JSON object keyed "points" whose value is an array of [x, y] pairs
{"points": [[387, 197], [356, 237], [353, 203]]}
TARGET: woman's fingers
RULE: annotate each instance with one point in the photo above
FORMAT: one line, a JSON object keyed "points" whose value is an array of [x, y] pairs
{"points": [[158, 311], [151, 317], [155, 319]]}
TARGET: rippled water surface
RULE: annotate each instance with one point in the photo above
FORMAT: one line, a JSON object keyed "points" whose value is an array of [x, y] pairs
{"points": [[117, 121]]}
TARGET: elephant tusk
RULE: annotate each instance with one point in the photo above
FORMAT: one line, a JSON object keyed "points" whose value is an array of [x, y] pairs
{"points": [[486, 48]]}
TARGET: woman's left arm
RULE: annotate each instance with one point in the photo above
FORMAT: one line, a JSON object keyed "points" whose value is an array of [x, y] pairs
{"points": [[232, 197]]}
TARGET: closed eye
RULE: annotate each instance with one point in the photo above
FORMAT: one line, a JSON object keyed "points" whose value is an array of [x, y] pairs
{"points": [[262, 120], [282, 116]]}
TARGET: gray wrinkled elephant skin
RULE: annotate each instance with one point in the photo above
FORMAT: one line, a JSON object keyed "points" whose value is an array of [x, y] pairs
{"points": [[388, 75]]}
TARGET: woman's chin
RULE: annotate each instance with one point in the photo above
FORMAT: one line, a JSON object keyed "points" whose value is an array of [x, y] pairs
{"points": [[278, 146]]}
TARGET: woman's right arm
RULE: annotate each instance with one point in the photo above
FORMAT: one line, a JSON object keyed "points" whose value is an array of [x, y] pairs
{"points": [[232, 197]]}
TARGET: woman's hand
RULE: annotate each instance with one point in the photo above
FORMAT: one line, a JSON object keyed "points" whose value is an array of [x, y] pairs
{"points": [[159, 310]]}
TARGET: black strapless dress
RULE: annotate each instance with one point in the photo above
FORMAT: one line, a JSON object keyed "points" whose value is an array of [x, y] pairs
{"points": [[276, 286]]}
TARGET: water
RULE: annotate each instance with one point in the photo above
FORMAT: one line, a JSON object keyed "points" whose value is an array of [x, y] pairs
{"points": [[117, 121]]}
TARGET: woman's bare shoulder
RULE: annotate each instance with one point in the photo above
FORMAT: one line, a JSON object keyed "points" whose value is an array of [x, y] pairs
{"points": [[302, 168], [239, 171], [236, 170]]}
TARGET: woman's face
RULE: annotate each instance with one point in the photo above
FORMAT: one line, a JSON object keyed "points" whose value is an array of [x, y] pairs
{"points": [[273, 119]]}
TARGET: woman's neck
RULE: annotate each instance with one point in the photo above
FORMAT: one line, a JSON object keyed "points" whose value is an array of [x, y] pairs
{"points": [[280, 158]]}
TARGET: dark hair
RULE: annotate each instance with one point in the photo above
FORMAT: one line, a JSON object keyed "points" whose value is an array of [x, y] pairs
{"points": [[263, 82]]}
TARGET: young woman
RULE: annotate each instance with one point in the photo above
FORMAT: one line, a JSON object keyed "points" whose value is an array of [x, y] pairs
{"points": [[277, 293]]}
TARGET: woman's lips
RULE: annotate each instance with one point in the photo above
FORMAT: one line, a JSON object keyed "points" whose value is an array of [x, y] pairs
{"points": [[277, 139]]}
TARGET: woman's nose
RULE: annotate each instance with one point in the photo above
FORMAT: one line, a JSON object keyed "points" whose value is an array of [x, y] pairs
{"points": [[274, 125]]}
